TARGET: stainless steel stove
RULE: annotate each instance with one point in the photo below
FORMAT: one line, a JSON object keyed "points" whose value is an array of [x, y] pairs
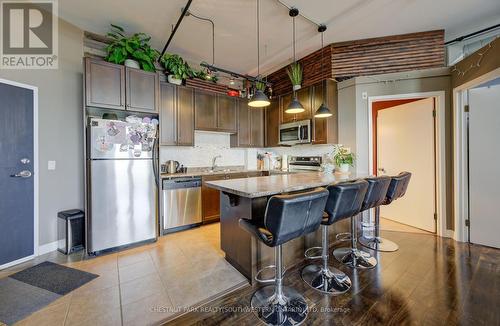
{"points": [[304, 163]]}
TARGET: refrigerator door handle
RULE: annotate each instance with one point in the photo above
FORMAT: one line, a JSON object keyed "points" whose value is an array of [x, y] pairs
{"points": [[155, 160]]}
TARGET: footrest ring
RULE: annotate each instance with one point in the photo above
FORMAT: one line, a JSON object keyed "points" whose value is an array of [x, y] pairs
{"points": [[308, 253]]}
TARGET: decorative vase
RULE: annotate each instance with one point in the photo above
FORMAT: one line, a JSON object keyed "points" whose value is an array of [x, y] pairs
{"points": [[172, 80], [297, 87], [344, 168], [328, 167], [132, 64]]}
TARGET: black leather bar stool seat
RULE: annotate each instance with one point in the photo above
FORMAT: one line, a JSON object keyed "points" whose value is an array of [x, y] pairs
{"points": [[375, 195], [287, 217], [344, 200], [397, 189]]}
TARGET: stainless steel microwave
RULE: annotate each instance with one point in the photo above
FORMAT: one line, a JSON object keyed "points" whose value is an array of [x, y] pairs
{"points": [[298, 132]]}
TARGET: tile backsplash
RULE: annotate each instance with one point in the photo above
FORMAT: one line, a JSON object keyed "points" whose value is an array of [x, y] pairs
{"points": [[207, 145]]}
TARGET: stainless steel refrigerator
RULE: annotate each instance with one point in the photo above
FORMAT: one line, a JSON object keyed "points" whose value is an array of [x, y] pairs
{"points": [[122, 184]]}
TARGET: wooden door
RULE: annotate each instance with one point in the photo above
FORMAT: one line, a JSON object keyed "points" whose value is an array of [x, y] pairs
{"points": [[205, 110], [142, 90], [242, 138], [210, 199], [168, 114], [272, 124], [257, 127], [226, 113], [185, 116], [304, 97], [104, 84], [405, 142], [284, 103]]}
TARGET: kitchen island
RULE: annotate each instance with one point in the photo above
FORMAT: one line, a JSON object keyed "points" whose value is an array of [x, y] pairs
{"points": [[247, 198]]}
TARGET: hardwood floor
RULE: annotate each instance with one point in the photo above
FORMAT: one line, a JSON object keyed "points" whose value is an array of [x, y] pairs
{"points": [[428, 281]]}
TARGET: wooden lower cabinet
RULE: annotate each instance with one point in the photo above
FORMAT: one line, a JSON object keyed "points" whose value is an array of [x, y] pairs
{"points": [[210, 199]]}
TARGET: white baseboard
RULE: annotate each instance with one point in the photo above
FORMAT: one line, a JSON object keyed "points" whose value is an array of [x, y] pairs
{"points": [[19, 261], [46, 248]]}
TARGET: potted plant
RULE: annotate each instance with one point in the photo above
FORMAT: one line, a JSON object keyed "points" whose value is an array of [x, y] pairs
{"points": [[205, 75], [133, 51], [176, 68], [295, 75], [343, 158]]}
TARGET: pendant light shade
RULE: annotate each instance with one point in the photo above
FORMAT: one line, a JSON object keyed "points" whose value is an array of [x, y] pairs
{"points": [[259, 100], [323, 111], [294, 107]]}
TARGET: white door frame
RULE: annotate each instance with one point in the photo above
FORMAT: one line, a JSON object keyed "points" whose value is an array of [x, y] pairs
{"points": [[460, 164], [440, 149], [35, 170]]}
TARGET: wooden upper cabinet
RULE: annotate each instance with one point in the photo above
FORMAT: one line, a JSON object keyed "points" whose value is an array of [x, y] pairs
{"points": [[185, 116], [226, 113], [284, 102], [142, 90], [104, 84], [325, 130], [242, 138], [205, 105], [257, 127], [168, 114], [272, 124], [304, 97]]}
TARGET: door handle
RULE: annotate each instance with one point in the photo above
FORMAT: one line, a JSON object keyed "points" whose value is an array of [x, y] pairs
{"points": [[22, 174], [381, 170]]}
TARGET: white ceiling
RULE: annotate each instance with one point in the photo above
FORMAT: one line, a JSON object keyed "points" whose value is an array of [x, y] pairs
{"points": [[235, 24]]}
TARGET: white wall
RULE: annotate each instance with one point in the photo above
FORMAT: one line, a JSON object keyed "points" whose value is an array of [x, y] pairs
{"points": [[206, 146], [59, 130]]}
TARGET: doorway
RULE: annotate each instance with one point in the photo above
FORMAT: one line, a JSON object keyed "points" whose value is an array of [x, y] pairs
{"points": [[483, 158], [412, 137], [18, 173], [405, 141]]}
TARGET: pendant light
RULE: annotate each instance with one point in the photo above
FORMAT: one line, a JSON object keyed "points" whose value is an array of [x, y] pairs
{"points": [[259, 99], [323, 111], [295, 106]]}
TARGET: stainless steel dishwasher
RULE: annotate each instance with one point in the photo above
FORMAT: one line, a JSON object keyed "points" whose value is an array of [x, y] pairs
{"points": [[181, 203]]}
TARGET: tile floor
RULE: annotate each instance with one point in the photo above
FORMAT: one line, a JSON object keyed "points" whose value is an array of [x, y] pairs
{"points": [[143, 285]]}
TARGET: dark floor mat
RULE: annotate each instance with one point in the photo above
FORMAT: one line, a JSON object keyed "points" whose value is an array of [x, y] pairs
{"points": [[54, 278]]}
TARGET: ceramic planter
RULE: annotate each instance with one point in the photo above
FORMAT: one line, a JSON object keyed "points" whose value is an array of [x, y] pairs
{"points": [[132, 64], [172, 80], [297, 87], [344, 168]]}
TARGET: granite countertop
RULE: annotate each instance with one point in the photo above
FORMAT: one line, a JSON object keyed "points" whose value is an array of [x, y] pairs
{"points": [[198, 173], [278, 184]]}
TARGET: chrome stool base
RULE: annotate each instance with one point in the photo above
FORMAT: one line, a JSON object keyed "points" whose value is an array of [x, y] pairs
{"points": [[355, 258], [287, 309], [379, 244], [344, 236], [330, 281]]}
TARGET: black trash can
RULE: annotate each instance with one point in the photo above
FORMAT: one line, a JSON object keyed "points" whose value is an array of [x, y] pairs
{"points": [[70, 231]]}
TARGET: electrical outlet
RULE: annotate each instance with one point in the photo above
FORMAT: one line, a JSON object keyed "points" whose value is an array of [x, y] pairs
{"points": [[51, 165]]}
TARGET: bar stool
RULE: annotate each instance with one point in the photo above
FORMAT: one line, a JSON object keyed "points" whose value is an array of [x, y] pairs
{"points": [[287, 217], [397, 189], [344, 201], [354, 257]]}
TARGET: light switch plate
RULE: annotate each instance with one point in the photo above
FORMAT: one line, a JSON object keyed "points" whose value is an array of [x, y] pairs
{"points": [[51, 165]]}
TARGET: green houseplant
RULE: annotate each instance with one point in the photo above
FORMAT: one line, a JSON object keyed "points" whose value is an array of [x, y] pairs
{"points": [[343, 158], [125, 49], [295, 74], [177, 68]]}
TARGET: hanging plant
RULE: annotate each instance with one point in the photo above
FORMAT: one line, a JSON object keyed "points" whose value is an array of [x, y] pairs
{"points": [[261, 86], [131, 48], [295, 74]]}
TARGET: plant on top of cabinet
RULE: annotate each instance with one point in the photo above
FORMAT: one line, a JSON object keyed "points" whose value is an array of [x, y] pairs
{"points": [[133, 51], [176, 68], [205, 75], [295, 75]]}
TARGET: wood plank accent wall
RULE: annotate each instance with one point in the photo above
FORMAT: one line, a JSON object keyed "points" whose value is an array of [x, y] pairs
{"points": [[206, 85], [373, 56]]}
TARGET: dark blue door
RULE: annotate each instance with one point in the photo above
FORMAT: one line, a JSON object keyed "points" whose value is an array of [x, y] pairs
{"points": [[16, 167]]}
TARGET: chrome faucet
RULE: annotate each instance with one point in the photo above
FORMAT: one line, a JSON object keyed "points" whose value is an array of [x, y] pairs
{"points": [[213, 161]]}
